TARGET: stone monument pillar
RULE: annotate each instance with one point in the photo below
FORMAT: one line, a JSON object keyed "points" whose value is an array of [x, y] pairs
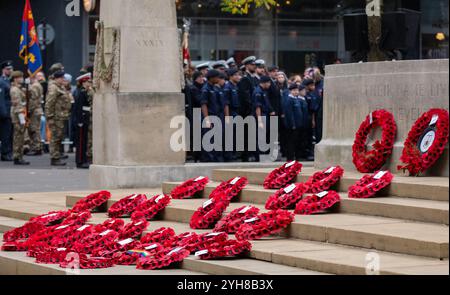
{"points": [[138, 68]]}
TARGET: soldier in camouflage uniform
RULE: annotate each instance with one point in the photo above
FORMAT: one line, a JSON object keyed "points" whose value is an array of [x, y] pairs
{"points": [[18, 116], [57, 110], [35, 112]]}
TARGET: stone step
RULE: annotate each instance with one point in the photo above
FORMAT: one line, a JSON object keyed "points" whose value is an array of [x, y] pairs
{"points": [[319, 256], [17, 263], [430, 188], [384, 234], [394, 207]]}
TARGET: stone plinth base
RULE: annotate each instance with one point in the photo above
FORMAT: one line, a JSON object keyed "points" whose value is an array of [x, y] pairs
{"points": [[116, 177], [352, 91]]}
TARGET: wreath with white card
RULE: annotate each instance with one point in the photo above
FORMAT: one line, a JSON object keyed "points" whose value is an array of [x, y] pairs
{"points": [[369, 185], [324, 180], [317, 203], [287, 197], [283, 175], [426, 141]]}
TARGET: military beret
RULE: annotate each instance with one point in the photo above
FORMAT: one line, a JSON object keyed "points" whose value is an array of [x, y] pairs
{"points": [[249, 60], [264, 79], [84, 78], [202, 66], [213, 74], [307, 82], [196, 75], [6, 64], [260, 63], [16, 74], [232, 72], [293, 86], [59, 74], [231, 61]]}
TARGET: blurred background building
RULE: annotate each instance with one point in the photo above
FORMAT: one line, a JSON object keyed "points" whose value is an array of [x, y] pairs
{"points": [[297, 34]]}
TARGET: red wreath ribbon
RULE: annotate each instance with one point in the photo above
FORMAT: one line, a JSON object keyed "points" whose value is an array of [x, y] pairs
{"points": [[283, 175], [164, 259], [131, 257], [126, 205], [287, 197], [188, 240], [23, 232], [230, 188], [158, 236], [51, 255], [112, 247], [76, 234], [207, 215], [264, 225], [50, 218], [415, 161], [370, 161], [92, 201], [369, 185], [134, 229], [227, 248], [231, 223], [148, 209], [317, 203], [324, 180], [189, 188]]}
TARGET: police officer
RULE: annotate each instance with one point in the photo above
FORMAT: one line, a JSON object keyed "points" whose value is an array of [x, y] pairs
{"points": [[260, 68], [211, 106], [18, 116], [262, 109], [35, 112], [6, 126], [82, 119], [57, 110], [232, 96], [246, 86]]}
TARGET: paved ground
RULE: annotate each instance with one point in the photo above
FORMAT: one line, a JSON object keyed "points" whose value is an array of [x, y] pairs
{"points": [[41, 177]]}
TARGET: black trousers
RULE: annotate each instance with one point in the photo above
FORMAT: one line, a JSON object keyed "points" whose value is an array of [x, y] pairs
{"points": [[81, 134], [6, 136], [295, 144]]}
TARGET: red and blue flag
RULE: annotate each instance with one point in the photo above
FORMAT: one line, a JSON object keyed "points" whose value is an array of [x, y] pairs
{"points": [[29, 49]]}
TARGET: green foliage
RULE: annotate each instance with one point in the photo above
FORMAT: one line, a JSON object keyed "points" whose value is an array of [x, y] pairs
{"points": [[243, 6]]}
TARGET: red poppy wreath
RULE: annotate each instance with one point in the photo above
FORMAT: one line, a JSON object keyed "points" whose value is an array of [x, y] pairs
{"points": [[189, 188], [369, 161], [324, 180], [369, 185], [287, 197], [210, 212], [317, 203], [92, 201], [426, 141], [283, 175], [230, 188], [126, 205]]}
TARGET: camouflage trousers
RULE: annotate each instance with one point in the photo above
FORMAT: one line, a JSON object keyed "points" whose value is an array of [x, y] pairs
{"points": [[34, 133], [57, 136], [18, 140]]}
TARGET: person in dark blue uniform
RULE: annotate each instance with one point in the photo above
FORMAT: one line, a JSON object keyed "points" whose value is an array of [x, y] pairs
{"points": [[296, 120], [245, 89], [212, 105], [262, 109], [313, 106], [193, 92], [6, 126], [319, 83], [232, 96]]}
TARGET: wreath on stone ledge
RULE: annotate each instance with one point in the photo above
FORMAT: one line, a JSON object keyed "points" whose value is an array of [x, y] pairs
{"points": [[369, 185], [426, 141], [369, 161], [283, 175], [324, 180], [317, 203], [189, 188]]}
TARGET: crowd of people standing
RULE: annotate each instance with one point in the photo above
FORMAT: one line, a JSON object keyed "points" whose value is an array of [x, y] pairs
{"points": [[226, 89], [36, 113]]}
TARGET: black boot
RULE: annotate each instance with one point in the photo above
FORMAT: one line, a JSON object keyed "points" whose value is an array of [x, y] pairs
{"points": [[21, 162], [58, 163], [83, 166]]}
